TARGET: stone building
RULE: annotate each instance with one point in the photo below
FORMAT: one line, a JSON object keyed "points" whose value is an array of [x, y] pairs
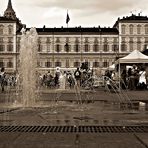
{"points": [[69, 47]]}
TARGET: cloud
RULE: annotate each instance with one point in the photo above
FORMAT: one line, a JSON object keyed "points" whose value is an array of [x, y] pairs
{"points": [[87, 8], [85, 12]]}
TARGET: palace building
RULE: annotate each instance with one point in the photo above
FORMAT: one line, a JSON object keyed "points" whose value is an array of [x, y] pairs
{"points": [[69, 47]]}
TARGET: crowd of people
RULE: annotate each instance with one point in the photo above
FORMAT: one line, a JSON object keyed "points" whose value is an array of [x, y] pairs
{"points": [[133, 78], [63, 79]]}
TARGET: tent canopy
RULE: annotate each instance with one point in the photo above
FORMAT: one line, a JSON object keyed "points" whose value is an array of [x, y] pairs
{"points": [[134, 57]]}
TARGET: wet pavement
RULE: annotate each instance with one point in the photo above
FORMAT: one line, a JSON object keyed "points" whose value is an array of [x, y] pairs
{"points": [[98, 108]]}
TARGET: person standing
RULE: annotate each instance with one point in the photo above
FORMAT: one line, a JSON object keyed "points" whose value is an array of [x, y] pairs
{"points": [[146, 77], [2, 78], [142, 79], [77, 75]]}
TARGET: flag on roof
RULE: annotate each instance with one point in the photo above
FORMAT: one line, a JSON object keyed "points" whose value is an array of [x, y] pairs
{"points": [[67, 18]]}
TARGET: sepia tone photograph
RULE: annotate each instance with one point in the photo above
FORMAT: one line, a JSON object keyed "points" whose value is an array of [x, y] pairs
{"points": [[73, 74]]}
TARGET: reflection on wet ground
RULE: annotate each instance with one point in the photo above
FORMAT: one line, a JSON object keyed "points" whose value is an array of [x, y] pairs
{"points": [[71, 113]]}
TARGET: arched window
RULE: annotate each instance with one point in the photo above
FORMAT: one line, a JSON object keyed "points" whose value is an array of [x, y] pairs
{"points": [[10, 29], [123, 29], [1, 29], [131, 29], [146, 29], [138, 29]]}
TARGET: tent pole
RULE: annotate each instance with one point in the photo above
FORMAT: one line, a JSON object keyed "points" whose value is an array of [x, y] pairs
{"points": [[119, 77]]}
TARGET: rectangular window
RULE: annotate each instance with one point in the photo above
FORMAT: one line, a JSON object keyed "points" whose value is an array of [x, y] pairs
{"points": [[76, 48], [138, 39], [57, 48], [95, 64], [10, 39], [86, 48], [67, 47], [18, 47], [2, 48], [131, 46], [123, 47], [131, 39], [58, 64], [146, 29], [146, 39], [40, 49], [10, 48], [123, 29], [96, 48], [106, 47], [131, 29], [105, 64], [123, 39], [1, 64], [139, 46], [1, 29], [67, 63], [138, 29], [48, 48], [76, 64], [48, 64], [115, 48], [10, 30], [1, 40], [10, 64]]}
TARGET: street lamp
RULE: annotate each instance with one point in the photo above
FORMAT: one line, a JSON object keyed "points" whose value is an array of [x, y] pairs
{"points": [[53, 60], [100, 44]]}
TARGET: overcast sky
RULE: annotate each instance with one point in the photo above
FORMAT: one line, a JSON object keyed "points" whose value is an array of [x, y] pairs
{"points": [[85, 13]]}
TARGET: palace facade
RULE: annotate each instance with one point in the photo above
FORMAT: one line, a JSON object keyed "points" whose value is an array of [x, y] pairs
{"points": [[69, 47]]}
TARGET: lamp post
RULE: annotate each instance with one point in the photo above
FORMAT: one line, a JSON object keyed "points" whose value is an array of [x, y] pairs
{"points": [[53, 58], [100, 44], [81, 47]]}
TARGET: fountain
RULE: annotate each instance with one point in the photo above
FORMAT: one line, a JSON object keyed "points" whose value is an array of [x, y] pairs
{"points": [[27, 68], [62, 105]]}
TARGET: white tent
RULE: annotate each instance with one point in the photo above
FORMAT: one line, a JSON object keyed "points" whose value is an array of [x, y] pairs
{"points": [[134, 57]]}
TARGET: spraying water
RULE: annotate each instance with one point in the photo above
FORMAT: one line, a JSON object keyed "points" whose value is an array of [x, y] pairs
{"points": [[27, 68]]}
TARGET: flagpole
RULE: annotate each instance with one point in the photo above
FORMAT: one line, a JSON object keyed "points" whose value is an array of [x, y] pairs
{"points": [[67, 18]]}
